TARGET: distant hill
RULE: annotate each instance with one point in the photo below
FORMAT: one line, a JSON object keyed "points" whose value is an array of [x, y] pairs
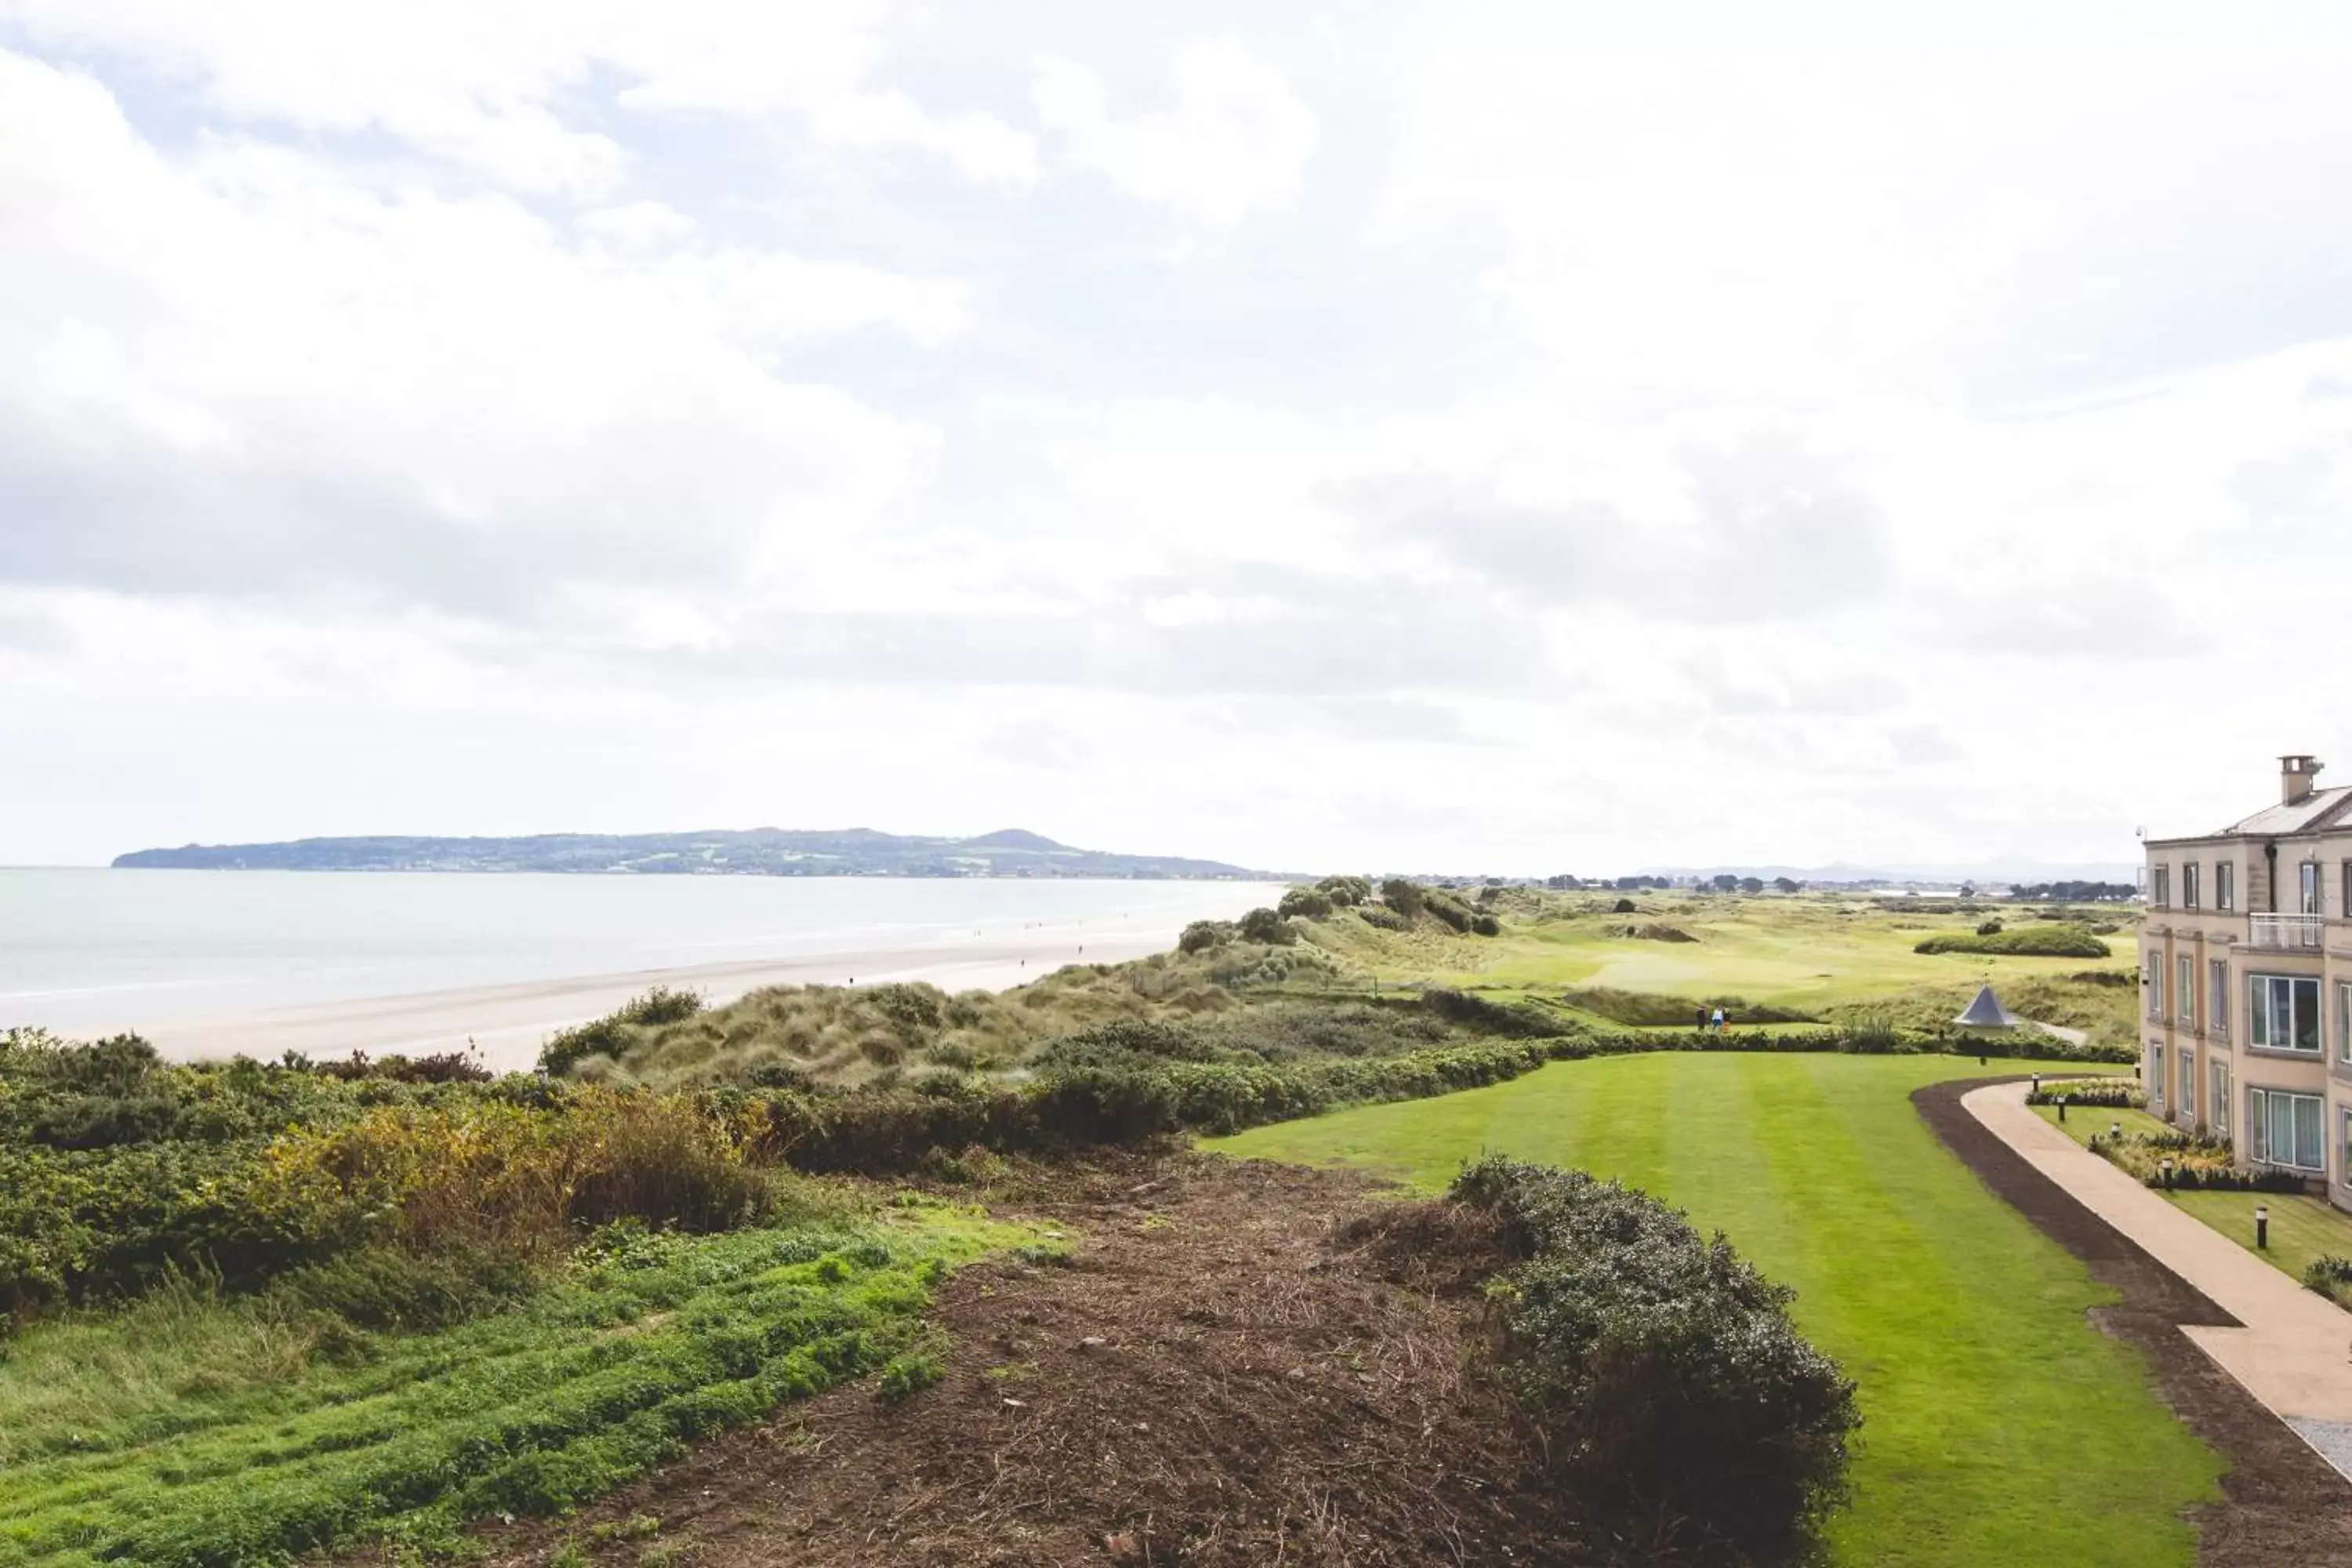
{"points": [[758, 851]]}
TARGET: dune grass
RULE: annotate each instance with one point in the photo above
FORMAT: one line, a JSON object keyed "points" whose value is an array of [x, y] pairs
{"points": [[191, 1430], [2001, 1427]]}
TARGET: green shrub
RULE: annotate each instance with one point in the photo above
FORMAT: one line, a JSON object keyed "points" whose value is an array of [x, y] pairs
{"points": [[2035, 942], [1203, 935], [2330, 1276], [1675, 1392], [1404, 896], [1305, 903], [1345, 892]]}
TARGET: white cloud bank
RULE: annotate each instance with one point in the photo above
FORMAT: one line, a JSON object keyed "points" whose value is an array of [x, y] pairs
{"points": [[1370, 437]]}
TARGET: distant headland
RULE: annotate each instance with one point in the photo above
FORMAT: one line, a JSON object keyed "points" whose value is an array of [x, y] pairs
{"points": [[758, 851]]}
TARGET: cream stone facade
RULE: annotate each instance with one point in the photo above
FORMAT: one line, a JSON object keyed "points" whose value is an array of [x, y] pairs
{"points": [[2246, 982]]}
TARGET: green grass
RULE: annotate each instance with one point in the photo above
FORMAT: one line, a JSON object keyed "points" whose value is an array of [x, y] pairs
{"points": [[160, 1436], [1803, 953], [2302, 1229], [2001, 1426]]}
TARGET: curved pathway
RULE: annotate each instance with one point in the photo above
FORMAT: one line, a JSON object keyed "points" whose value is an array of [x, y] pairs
{"points": [[2281, 1500], [2290, 1348]]}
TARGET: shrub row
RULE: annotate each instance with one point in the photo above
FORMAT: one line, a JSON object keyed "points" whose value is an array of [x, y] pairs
{"points": [[2198, 1164], [1672, 1389], [2035, 942]]}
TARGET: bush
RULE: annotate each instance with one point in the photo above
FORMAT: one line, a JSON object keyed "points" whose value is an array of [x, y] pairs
{"points": [[1347, 892], [1989, 927], [1486, 925], [1265, 925], [1384, 918], [1306, 903], [2330, 1276], [1405, 898], [1674, 1391], [1203, 935], [614, 1033], [2035, 942]]}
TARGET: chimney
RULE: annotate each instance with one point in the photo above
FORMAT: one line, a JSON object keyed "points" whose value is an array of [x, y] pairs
{"points": [[2295, 776]]}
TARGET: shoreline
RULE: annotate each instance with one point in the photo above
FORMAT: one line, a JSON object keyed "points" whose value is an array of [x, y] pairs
{"points": [[508, 1023]]}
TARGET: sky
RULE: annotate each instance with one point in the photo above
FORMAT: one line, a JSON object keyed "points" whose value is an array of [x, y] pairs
{"points": [[1527, 438]]}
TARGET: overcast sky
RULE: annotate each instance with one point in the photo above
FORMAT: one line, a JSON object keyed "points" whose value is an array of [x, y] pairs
{"points": [[1544, 437]]}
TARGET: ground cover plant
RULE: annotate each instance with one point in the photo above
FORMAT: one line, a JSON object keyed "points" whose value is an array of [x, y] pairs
{"points": [[123, 1446], [1676, 1398], [1999, 1426], [2028, 942]]}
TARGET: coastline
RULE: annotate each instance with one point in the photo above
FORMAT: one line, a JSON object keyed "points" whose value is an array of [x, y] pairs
{"points": [[508, 1023]]}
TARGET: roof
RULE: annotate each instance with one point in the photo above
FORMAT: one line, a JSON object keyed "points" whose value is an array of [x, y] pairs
{"points": [[2320, 809], [1987, 1013]]}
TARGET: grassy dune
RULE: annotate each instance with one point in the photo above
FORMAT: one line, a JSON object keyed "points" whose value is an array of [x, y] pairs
{"points": [[2000, 1427]]}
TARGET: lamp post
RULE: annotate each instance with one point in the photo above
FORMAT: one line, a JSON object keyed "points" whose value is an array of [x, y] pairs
{"points": [[2262, 1226], [2167, 1168]]}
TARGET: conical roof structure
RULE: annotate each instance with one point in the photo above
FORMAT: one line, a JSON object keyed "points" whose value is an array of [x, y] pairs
{"points": [[1987, 1013]]}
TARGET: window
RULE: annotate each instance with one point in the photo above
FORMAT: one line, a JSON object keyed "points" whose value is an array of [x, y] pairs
{"points": [[2155, 984], [2217, 997], [2189, 886], [2155, 1074], [2311, 887], [2283, 1129], [2161, 893], [2344, 1148], [2345, 909], [2344, 1020], [2187, 1106], [2285, 1013], [2184, 993], [2225, 884], [2217, 1097]]}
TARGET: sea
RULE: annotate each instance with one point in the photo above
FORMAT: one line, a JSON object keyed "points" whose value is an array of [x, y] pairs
{"points": [[83, 951]]}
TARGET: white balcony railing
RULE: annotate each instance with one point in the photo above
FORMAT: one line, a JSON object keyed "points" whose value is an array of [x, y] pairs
{"points": [[2301, 933]]}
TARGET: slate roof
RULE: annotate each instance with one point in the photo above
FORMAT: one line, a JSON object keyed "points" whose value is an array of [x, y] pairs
{"points": [[2322, 808]]}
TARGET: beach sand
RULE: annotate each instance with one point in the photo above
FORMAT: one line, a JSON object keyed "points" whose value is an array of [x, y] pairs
{"points": [[508, 1023]]}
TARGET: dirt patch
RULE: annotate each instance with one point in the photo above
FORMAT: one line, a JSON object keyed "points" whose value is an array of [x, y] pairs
{"points": [[2279, 1500], [1243, 1363]]}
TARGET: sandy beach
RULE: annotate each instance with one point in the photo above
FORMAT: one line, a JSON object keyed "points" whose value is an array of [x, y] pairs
{"points": [[508, 1023]]}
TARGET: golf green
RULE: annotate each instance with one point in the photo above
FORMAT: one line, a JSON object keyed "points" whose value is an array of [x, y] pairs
{"points": [[2000, 1427]]}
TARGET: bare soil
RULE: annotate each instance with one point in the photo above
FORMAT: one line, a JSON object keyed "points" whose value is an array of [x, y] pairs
{"points": [[1243, 1363], [2279, 1500]]}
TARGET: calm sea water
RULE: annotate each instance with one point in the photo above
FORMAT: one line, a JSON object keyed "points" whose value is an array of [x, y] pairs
{"points": [[88, 949]]}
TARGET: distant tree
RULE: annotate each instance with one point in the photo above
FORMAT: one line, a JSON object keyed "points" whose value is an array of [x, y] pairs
{"points": [[1968, 889], [1563, 883], [1725, 882], [1751, 884], [1625, 907], [1787, 884]]}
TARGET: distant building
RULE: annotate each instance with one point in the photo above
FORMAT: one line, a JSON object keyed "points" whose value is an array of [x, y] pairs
{"points": [[2246, 982]]}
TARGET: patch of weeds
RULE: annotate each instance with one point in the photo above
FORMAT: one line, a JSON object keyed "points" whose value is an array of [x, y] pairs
{"points": [[912, 1370], [1046, 1254]]}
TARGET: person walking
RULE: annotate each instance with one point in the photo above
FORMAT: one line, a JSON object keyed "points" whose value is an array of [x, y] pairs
{"points": [[1717, 1020]]}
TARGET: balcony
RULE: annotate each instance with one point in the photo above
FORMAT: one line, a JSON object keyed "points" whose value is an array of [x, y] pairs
{"points": [[2289, 933]]}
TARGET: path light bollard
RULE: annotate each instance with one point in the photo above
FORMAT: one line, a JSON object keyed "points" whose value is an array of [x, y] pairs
{"points": [[2062, 1108], [2262, 1226], [2167, 1168], [2037, 1083], [2116, 1131]]}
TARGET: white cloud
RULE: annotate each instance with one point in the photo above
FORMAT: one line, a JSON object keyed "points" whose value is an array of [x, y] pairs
{"points": [[1236, 140], [240, 370], [498, 88]]}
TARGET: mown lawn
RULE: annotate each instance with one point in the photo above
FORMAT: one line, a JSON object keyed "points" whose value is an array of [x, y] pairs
{"points": [[2001, 1427], [1806, 952], [189, 1430]]}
